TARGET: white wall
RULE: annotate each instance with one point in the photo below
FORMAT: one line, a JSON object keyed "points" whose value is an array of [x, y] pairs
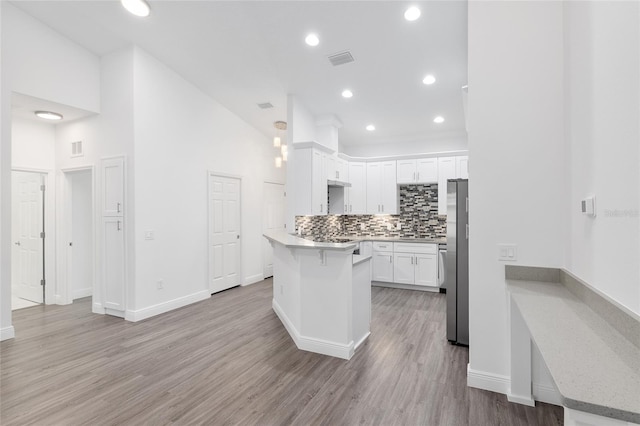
{"points": [[38, 62], [451, 143], [82, 234], [180, 134], [32, 144], [603, 142], [301, 124], [109, 134], [516, 150]]}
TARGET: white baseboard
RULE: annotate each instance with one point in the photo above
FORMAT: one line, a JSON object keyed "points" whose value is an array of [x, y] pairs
{"points": [[97, 308], [488, 381], [546, 393], [252, 279], [502, 384], [361, 341], [313, 345], [161, 308], [406, 286], [518, 399], [82, 292], [7, 333]]}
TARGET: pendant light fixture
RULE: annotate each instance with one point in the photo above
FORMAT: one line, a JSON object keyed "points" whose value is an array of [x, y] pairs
{"points": [[280, 126]]}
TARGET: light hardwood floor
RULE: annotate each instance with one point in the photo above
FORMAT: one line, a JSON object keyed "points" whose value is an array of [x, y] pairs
{"points": [[229, 360]]}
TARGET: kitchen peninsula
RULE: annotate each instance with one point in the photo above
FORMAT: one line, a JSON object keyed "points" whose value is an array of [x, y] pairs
{"points": [[321, 293]]}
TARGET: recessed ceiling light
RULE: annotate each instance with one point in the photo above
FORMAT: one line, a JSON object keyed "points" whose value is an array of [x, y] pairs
{"points": [[312, 40], [439, 119], [429, 79], [370, 127], [412, 13], [48, 115], [137, 7], [347, 93]]}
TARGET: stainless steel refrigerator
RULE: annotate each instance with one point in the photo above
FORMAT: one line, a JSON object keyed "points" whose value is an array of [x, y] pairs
{"points": [[457, 261]]}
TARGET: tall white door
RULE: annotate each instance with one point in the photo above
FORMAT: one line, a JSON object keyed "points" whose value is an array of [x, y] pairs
{"points": [[224, 233], [272, 220], [26, 227], [113, 262], [79, 242]]}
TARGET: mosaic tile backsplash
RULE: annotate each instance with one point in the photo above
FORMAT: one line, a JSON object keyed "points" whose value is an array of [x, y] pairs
{"points": [[418, 218]]}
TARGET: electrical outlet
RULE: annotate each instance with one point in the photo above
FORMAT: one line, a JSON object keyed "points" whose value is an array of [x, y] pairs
{"points": [[149, 235], [389, 227], [398, 226], [160, 284], [507, 252], [362, 227]]}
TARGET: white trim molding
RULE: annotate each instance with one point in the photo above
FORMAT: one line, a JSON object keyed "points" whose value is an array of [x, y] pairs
{"points": [[502, 384], [7, 333], [487, 381], [313, 345], [161, 308], [252, 279]]}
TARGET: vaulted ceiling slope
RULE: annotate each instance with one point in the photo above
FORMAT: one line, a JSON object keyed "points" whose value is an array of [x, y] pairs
{"points": [[242, 53]]}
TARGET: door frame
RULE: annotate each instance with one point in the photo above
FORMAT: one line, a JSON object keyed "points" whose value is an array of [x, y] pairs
{"points": [[48, 180], [266, 182], [65, 228], [210, 174]]}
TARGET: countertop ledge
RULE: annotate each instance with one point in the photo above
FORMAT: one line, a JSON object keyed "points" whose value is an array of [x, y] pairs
{"points": [[292, 241], [359, 258], [595, 368]]}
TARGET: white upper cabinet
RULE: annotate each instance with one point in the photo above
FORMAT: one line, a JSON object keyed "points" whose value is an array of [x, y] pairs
{"points": [[113, 186], [422, 170], [342, 170], [446, 170], [462, 167], [406, 171], [357, 193], [310, 173], [382, 190], [427, 170]]}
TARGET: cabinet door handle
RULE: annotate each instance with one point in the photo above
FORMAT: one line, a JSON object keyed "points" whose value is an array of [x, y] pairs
{"points": [[390, 259], [418, 177], [320, 207], [414, 176], [350, 208], [118, 208], [118, 225], [346, 208], [382, 207]]}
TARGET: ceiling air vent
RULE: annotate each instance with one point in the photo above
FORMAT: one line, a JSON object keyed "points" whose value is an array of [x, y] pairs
{"points": [[265, 105], [341, 58]]}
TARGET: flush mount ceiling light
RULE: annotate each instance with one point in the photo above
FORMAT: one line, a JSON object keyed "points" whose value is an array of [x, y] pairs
{"points": [[137, 7], [439, 119], [347, 93], [370, 127], [48, 115], [312, 39], [429, 79], [412, 13]]}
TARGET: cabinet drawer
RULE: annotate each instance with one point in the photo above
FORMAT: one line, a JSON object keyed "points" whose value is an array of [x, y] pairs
{"points": [[425, 248], [382, 246]]}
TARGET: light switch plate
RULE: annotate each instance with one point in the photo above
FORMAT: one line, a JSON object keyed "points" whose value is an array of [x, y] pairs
{"points": [[507, 252], [149, 235]]}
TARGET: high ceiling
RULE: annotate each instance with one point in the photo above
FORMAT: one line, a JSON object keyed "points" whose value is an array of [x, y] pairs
{"points": [[242, 53]]}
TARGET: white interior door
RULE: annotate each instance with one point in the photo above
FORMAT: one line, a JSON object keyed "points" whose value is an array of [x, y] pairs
{"points": [[224, 233], [26, 227], [80, 234], [272, 220]]}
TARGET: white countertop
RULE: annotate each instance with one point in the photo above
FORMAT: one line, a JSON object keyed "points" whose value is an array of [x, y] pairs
{"points": [[293, 241], [595, 368]]}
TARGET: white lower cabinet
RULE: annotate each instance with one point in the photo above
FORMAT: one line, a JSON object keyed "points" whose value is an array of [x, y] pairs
{"points": [[416, 264], [405, 263], [113, 264], [382, 266]]}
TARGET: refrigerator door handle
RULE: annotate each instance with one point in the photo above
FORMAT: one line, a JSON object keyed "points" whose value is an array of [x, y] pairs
{"points": [[467, 230]]}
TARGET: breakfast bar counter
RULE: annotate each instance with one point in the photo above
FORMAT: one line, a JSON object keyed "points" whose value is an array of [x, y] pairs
{"points": [[321, 293]]}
